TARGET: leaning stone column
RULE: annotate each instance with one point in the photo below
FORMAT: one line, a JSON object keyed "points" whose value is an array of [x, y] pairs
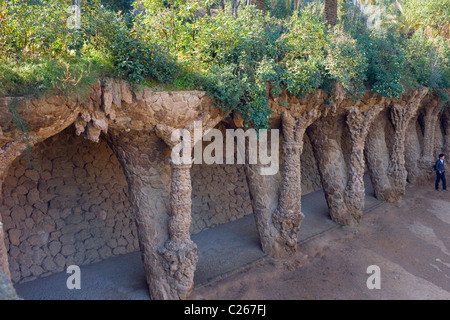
{"points": [[378, 158], [325, 136], [143, 157], [179, 252], [288, 216], [400, 117], [358, 123], [278, 220]]}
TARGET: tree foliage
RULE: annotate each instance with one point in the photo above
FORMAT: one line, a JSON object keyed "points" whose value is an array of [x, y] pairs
{"points": [[240, 60]]}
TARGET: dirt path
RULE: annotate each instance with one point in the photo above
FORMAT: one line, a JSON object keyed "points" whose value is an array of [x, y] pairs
{"points": [[409, 241]]}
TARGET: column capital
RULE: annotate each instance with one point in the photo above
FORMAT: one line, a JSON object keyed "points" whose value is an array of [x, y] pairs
{"points": [[292, 145], [183, 164]]}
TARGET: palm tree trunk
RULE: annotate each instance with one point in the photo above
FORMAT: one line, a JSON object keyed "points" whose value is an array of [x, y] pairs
{"points": [[260, 4], [331, 12]]}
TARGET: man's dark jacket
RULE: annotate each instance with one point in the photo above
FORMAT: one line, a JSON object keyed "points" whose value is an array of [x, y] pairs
{"points": [[439, 166]]}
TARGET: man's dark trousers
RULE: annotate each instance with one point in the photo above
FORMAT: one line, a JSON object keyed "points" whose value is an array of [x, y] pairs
{"points": [[439, 177]]}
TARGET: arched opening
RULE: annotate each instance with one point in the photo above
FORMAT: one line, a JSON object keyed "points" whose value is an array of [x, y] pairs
{"points": [[222, 223], [63, 203], [219, 192]]}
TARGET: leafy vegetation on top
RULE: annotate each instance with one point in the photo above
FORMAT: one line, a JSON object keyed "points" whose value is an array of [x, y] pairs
{"points": [[387, 46]]}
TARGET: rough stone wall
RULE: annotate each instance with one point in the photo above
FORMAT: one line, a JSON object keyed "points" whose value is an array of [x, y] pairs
{"points": [[310, 173], [413, 149], [220, 194], [65, 203], [439, 140]]}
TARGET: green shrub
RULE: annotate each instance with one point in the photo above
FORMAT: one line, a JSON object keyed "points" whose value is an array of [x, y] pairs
{"points": [[240, 62]]}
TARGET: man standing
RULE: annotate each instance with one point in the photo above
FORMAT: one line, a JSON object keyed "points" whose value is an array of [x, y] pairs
{"points": [[440, 172]]}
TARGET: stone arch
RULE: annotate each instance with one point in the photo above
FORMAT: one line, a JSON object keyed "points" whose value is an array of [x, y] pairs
{"points": [[73, 207], [26, 121], [430, 136]]}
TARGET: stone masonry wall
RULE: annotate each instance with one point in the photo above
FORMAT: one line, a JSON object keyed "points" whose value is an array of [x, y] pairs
{"points": [[310, 173], [219, 195]]}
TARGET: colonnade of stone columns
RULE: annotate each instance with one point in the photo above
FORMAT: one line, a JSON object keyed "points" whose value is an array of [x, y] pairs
{"points": [[160, 190]]}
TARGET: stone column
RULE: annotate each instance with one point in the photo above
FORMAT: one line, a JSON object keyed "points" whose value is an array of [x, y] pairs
{"points": [[288, 216], [325, 136], [343, 185], [354, 196], [144, 159], [278, 215], [264, 195], [378, 158], [179, 252], [401, 116]]}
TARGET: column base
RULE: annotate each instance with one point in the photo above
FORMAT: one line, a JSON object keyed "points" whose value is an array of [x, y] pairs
{"points": [[288, 226], [179, 260]]}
